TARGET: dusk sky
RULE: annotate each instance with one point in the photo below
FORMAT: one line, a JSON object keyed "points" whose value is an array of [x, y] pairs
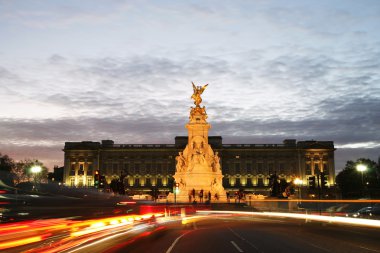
{"points": [[122, 70]]}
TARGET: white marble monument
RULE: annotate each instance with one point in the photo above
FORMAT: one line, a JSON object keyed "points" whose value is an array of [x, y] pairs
{"points": [[198, 167]]}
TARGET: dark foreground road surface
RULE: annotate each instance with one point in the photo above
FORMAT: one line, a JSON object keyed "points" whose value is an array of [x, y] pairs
{"points": [[249, 234]]}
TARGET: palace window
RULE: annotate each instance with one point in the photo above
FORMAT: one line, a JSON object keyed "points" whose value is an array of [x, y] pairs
{"points": [[159, 181], [249, 168], [249, 182], [260, 168], [137, 168], [232, 169], [72, 181], [142, 170], [90, 169], [226, 182], [293, 169], [316, 168], [225, 168], [237, 182], [72, 169], [89, 181], [148, 167], [270, 168], [260, 182], [325, 167], [308, 169], [237, 168], [126, 168], [170, 182], [81, 169], [109, 168], [115, 168], [132, 170], [137, 182], [282, 168], [159, 168], [164, 169]]}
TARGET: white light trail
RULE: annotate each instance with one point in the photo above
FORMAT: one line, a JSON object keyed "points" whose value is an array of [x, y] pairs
{"points": [[332, 219]]}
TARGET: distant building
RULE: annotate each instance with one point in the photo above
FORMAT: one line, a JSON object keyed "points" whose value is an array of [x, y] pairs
{"points": [[147, 166], [57, 175]]}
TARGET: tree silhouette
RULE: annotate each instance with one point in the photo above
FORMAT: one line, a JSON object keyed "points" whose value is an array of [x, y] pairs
{"points": [[349, 180]]}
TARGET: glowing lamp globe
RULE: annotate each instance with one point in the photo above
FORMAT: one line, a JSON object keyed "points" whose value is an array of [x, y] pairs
{"points": [[36, 169], [361, 167]]}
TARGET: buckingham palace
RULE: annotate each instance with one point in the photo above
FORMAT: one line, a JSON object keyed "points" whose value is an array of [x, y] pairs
{"points": [[244, 166]]}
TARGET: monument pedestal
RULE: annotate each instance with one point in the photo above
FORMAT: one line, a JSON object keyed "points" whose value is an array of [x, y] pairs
{"points": [[198, 181]]}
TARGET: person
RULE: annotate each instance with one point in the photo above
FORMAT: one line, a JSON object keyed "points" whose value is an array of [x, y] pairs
{"points": [[201, 196], [190, 196], [209, 197]]}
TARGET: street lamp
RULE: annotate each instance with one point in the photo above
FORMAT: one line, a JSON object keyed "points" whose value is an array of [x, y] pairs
{"points": [[361, 168], [176, 191], [299, 183], [35, 170]]}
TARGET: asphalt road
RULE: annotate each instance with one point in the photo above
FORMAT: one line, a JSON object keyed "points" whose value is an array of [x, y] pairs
{"points": [[248, 234]]}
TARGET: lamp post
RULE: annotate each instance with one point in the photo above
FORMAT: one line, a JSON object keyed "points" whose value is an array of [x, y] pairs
{"points": [[35, 170], [361, 168], [298, 182], [176, 191]]}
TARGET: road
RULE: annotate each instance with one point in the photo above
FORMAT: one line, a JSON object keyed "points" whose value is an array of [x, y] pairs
{"points": [[237, 234]]}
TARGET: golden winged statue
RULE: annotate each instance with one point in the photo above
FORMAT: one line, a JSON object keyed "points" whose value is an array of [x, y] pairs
{"points": [[198, 90]]}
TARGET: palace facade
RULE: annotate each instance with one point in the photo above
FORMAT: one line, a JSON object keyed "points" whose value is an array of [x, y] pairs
{"points": [[246, 166]]}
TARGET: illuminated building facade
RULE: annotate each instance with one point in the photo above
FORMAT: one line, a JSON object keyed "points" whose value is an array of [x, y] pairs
{"points": [[147, 166]]}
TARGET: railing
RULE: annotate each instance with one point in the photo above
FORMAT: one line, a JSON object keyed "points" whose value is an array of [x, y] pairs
{"points": [[143, 146], [254, 146]]}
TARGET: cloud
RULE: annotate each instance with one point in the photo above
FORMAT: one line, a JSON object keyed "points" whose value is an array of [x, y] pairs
{"points": [[369, 144], [61, 15], [122, 70], [56, 59], [288, 94]]}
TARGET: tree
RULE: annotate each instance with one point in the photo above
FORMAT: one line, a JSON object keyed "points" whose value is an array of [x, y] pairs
{"points": [[19, 172], [274, 185], [113, 185], [349, 179], [22, 171], [6, 163], [6, 166], [12, 172]]}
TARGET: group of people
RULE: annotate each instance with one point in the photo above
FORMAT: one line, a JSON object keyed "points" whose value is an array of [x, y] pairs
{"points": [[201, 195]]}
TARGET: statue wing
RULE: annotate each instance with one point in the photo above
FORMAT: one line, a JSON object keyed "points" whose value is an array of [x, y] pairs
{"points": [[194, 87], [203, 88]]}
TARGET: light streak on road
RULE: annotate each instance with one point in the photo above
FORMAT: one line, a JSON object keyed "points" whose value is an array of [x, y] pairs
{"points": [[140, 227], [320, 200], [190, 219], [332, 219], [19, 242], [70, 232]]}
